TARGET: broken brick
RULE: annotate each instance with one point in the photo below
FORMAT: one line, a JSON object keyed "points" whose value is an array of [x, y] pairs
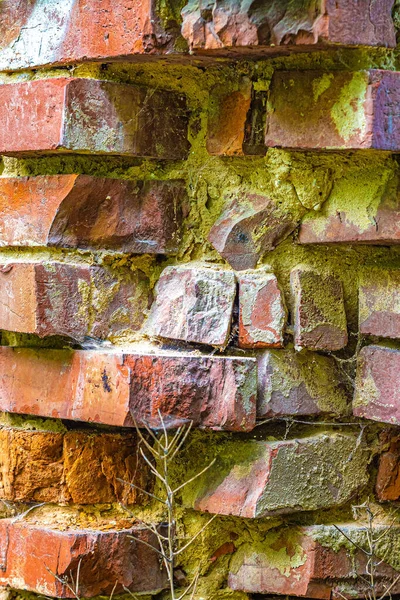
{"points": [[86, 115], [79, 211], [248, 228], [38, 558], [318, 562], [299, 383], [257, 479], [193, 304], [114, 388], [377, 385], [319, 313], [308, 110], [71, 467], [262, 310]]}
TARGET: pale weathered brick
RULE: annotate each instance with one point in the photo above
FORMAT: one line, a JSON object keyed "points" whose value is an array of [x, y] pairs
{"points": [[38, 557], [72, 467], [317, 562], [193, 304], [299, 383], [262, 310], [248, 228], [218, 25], [338, 110], [257, 479], [319, 313], [80, 211], [86, 115], [114, 388], [377, 390]]}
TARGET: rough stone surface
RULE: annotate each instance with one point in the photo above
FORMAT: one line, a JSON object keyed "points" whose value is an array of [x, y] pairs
{"points": [[79, 211], [379, 303], [299, 383], [193, 304], [343, 110], [221, 24], [72, 467], [36, 558], [257, 479], [248, 228], [86, 115], [54, 298], [388, 476], [262, 310], [314, 562], [112, 387], [67, 31], [377, 390], [319, 313]]}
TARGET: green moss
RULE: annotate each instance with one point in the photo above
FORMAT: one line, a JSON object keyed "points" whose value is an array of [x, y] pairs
{"points": [[348, 113], [31, 423]]}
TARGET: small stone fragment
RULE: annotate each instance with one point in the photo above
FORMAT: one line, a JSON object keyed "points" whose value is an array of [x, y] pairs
{"points": [[262, 310], [377, 389], [257, 479], [299, 383], [193, 304], [249, 228], [319, 313]]}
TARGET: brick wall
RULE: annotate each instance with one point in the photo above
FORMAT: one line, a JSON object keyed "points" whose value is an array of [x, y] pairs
{"points": [[199, 218]]}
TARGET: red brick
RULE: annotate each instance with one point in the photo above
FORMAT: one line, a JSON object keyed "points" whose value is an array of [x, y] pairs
{"points": [[109, 387], [226, 123], [379, 303], [243, 25], [72, 467], [377, 390], [36, 557], [257, 479], [262, 310], [79, 211], [342, 226], [340, 110], [388, 476], [85, 115], [249, 228], [299, 383], [319, 312], [33, 34], [193, 304], [45, 299], [315, 562], [54, 298]]}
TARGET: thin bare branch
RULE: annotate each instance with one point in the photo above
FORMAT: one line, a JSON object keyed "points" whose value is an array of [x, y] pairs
{"points": [[194, 478], [195, 536], [136, 487]]}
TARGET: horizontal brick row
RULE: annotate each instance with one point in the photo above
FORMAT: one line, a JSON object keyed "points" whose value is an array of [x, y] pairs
{"points": [[71, 467], [60, 115], [34, 35], [115, 388], [54, 298], [248, 478], [315, 562], [80, 211], [38, 558]]}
